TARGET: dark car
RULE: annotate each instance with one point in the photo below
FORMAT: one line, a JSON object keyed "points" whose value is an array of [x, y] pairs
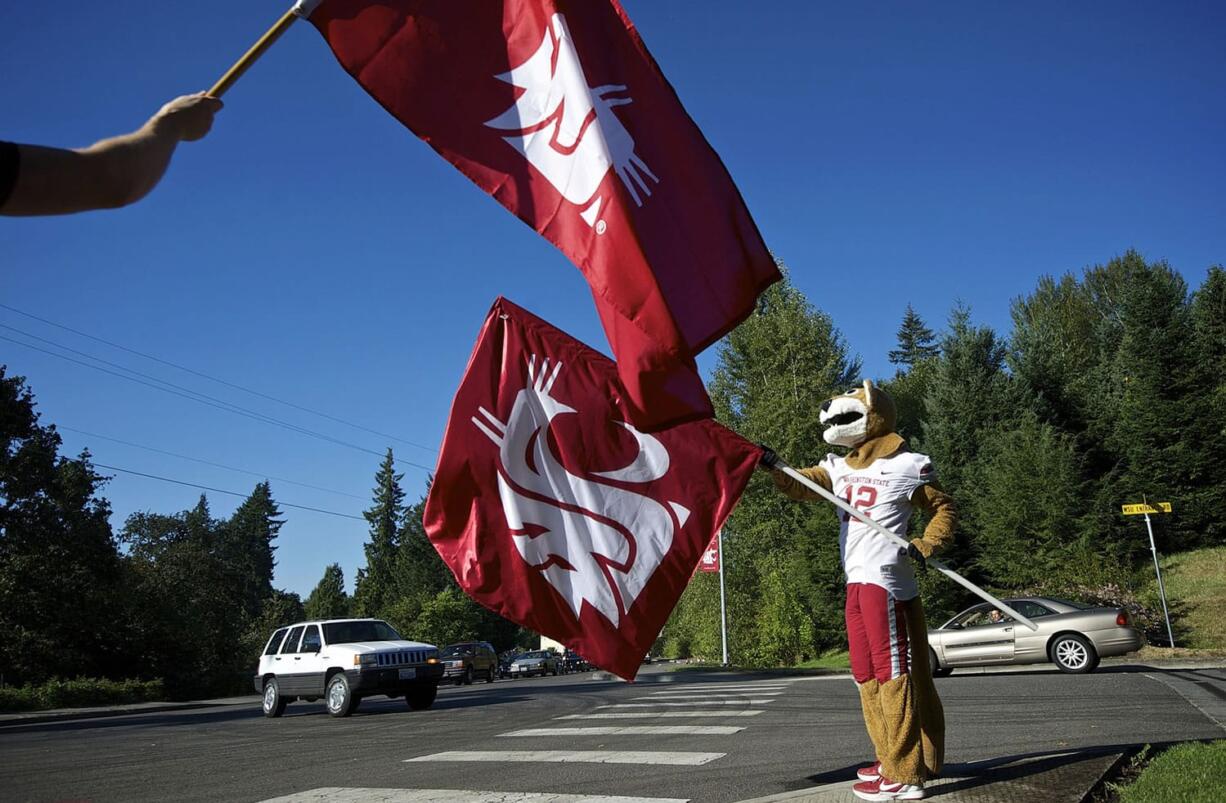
{"points": [[468, 660], [574, 662], [504, 663]]}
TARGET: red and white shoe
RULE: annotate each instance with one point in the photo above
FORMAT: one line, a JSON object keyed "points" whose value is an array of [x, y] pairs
{"points": [[885, 789], [869, 773]]}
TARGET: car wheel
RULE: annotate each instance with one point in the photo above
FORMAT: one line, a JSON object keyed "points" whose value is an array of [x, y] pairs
{"points": [[274, 703], [489, 675], [938, 671], [421, 697], [555, 670], [468, 676], [339, 698], [1072, 653]]}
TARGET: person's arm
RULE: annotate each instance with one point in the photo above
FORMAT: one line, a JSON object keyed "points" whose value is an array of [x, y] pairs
{"points": [[108, 174]]}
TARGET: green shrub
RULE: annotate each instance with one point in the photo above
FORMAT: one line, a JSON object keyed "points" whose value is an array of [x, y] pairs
{"points": [[79, 693]]}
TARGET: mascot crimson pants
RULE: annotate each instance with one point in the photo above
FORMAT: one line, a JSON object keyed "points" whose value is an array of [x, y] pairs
{"points": [[902, 711]]}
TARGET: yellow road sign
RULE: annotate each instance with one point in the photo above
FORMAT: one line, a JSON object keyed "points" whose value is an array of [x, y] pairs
{"points": [[1137, 510]]}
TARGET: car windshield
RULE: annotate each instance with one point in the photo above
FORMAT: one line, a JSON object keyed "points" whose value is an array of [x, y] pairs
{"points": [[455, 649], [533, 655], [352, 632]]}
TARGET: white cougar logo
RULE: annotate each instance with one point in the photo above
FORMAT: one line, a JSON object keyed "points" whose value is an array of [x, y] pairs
{"points": [[566, 129], [601, 543]]}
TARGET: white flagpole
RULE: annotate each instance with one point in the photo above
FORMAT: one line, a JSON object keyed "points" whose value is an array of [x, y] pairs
{"points": [[902, 543], [723, 611]]}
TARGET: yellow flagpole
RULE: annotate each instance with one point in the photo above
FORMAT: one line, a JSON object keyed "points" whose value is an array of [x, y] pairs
{"points": [[266, 41]]}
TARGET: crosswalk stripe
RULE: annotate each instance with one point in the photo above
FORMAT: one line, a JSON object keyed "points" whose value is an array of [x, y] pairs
{"points": [[341, 794], [576, 756], [632, 730], [688, 703], [728, 687], [668, 695], [667, 714]]}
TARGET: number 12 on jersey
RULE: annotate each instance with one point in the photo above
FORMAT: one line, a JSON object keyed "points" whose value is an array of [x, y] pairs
{"points": [[861, 497]]}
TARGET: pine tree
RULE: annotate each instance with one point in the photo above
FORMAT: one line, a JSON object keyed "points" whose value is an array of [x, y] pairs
{"points": [[328, 600], [916, 343], [374, 589], [248, 544]]}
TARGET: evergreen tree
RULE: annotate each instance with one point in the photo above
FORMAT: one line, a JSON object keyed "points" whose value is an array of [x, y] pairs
{"points": [[374, 589], [247, 542], [60, 570], [1209, 318], [328, 600], [969, 396], [774, 371], [1023, 499], [916, 342]]}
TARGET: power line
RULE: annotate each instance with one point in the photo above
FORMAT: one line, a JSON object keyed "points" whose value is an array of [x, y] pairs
{"points": [[221, 491], [265, 475], [211, 378], [191, 395]]}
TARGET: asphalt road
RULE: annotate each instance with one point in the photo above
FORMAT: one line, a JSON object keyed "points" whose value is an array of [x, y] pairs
{"points": [[807, 731]]}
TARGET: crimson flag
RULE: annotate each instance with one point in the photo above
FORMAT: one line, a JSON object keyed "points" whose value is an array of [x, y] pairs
{"points": [[556, 108], [553, 511]]}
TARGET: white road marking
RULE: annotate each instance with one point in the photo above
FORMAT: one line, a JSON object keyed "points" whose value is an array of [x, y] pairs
{"points": [[668, 695], [689, 703], [721, 689], [340, 794], [576, 756], [668, 714], [632, 730]]}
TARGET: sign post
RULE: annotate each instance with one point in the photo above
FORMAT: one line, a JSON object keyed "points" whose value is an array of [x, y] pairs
{"points": [[713, 561], [1145, 509]]}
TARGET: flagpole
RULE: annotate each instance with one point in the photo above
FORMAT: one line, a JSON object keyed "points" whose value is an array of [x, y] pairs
{"points": [[723, 610], [902, 543], [302, 8]]}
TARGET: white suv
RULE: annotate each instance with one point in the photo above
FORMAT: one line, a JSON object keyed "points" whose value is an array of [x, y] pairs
{"points": [[344, 660]]}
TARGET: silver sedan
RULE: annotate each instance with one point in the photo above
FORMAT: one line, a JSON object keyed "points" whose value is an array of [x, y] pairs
{"points": [[1070, 635]]}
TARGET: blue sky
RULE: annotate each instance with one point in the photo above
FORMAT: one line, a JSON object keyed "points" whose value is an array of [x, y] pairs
{"points": [[313, 250]]}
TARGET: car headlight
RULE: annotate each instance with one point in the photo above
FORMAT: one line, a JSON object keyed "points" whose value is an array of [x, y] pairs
{"points": [[368, 659]]}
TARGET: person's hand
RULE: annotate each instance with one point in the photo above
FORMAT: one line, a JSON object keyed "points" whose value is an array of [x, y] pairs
{"points": [[914, 554], [769, 459], [188, 117]]}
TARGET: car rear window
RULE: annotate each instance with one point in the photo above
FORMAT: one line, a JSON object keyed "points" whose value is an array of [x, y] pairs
{"points": [[275, 642], [352, 632], [291, 641], [1075, 605]]}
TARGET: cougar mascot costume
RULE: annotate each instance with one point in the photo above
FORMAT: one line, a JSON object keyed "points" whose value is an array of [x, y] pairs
{"points": [[881, 477]]}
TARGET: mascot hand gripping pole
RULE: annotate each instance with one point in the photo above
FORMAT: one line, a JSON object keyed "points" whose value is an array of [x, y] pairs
{"points": [[886, 631]]}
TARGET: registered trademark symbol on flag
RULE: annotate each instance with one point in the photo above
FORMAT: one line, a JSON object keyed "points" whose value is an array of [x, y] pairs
{"points": [[600, 226]]}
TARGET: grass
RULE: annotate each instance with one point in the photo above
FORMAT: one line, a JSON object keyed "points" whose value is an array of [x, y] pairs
{"points": [[1187, 773], [79, 692], [1197, 582], [832, 661]]}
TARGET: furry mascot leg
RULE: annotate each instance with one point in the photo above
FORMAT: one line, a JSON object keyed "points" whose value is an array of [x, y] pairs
{"points": [[927, 703]]}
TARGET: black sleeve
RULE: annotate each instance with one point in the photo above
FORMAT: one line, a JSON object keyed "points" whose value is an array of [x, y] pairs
{"points": [[9, 157]]}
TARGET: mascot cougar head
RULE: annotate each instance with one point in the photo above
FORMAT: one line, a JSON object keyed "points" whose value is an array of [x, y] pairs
{"points": [[858, 415]]}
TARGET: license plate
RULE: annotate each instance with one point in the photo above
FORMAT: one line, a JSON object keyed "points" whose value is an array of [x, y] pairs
{"points": [[408, 674]]}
